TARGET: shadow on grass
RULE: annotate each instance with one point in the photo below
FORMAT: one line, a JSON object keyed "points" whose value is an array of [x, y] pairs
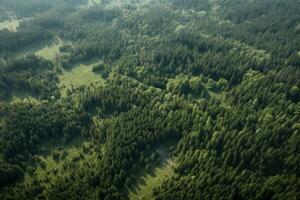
{"points": [[147, 180], [87, 63]]}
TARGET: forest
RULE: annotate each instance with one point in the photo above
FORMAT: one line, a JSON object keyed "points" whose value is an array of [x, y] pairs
{"points": [[150, 99]]}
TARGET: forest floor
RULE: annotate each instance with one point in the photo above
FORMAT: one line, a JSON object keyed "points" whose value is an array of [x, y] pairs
{"points": [[147, 181]]}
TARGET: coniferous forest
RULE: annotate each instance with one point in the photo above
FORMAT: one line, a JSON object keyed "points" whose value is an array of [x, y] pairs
{"points": [[150, 99]]}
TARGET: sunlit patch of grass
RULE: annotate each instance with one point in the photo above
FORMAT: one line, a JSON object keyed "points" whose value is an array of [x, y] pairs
{"points": [[11, 25], [93, 2], [120, 3], [70, 157], [79, 75], [47, 49], [50, 51], [149, 181], [90, 3]]}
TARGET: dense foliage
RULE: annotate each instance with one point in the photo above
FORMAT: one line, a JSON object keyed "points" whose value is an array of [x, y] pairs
{"points": [[219, 80]]}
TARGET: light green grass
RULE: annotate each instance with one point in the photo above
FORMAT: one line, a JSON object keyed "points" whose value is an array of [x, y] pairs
{"points": [[147, 181], [73, 151], [143, 191], [47, 50], [11, 25], [120, 3], [93, 2], [90, 3], [50, 51], [81, 74], [51, 164]]}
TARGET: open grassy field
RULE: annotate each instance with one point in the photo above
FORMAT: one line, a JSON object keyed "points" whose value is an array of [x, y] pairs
{"points": [[81, 74], [50, 50], [11, 25]]}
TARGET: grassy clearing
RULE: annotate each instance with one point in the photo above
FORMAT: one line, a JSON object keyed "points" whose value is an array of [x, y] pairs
{"points": [[147, 181], [74, 158], [47, 49], [120, 3], [90, 3], [11, 25], [81, 74], [50, 50], [93, 2]]}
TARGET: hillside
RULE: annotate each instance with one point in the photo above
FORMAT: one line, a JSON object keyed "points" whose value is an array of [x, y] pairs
{"points": [[150, 99]]}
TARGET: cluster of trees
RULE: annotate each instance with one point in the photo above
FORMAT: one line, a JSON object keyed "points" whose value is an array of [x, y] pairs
{"points": [[202, 5], [267, 24], [29, 74], [102, 69], [36, 17], [246, 152], [9, 173], [35, 7], [129, 140], [98, 14], [27, 125], [26, 36], [184, 71], [189, 52], [104, 42]]}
